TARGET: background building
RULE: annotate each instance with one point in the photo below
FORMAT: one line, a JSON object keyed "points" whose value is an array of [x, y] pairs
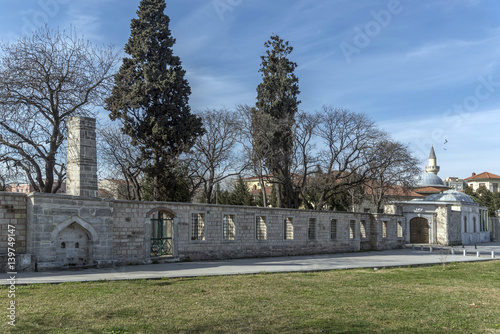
{"points": [[455, 183], [488, 180]]}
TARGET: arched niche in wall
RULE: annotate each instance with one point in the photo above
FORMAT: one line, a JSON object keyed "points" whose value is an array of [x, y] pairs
{"points": [[73, 239]]}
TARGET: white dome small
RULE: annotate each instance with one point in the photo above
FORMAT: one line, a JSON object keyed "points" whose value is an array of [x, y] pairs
{"points": [[450, 196]]}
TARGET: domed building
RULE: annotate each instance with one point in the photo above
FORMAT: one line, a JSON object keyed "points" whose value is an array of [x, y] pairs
{"points": [[430, 182], [447, 218], [444, 216]]}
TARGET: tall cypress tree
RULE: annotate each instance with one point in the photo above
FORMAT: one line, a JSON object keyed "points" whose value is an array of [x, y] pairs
{"points": [[151, 96], [277, 103]]}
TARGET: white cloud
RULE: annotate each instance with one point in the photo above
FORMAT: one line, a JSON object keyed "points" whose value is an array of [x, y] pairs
{"points": [[216, 91]]}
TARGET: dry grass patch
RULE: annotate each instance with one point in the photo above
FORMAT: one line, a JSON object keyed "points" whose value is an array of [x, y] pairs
{"points": [[463, 298]]}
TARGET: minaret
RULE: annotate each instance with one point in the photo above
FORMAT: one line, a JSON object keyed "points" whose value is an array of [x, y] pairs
{"points": [[81, 157], [432, 168]]}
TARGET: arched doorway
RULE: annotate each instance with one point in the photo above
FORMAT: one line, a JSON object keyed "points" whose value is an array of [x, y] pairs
{"points": [[419, 231], [162, 232]]}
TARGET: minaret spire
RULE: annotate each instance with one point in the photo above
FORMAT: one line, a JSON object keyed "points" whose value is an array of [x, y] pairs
{"points": [[432, 168]]}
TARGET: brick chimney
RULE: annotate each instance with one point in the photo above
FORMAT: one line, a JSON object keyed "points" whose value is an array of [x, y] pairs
{"points": [[81, 176]]}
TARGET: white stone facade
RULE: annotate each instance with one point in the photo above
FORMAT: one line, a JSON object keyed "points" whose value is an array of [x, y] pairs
{"points": [[449, 222]]}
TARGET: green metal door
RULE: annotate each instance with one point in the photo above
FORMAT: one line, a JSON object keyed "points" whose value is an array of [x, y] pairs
{"points": [[162, 236]]}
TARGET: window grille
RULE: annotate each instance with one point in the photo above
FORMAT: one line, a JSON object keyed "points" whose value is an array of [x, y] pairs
{"points": [[311, 230], [333, 229], [352, 229], [384, 229], [288, 228], [161, 235], [362, 229], [229, 226], [198, 226], [400, 229], [261, 228]]}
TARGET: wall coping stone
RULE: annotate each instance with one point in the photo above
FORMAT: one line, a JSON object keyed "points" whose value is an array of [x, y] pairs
{"points": [[242, 207], [10, 194], [67, 197]]}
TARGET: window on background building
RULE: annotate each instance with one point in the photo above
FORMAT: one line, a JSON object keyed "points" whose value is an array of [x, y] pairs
{"points": [[465, 224], [495, 187], [352, 229], [197, 226], [229, 227], [288, 228], [333, 229], [474, 221], [362, 229], [311, 229], [384, 229], [261, 228]]}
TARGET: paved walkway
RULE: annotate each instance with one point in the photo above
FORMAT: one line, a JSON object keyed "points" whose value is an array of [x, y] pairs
{"points": [[372, 259]]}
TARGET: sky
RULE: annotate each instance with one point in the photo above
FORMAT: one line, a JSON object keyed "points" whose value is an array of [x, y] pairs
{"points": [[427, 72]]}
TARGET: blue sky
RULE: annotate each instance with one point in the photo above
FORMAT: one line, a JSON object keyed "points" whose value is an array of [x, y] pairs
{"points": [[426, 71]]}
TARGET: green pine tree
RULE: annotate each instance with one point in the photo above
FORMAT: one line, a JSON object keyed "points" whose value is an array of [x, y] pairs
{"points": [[273, 199], [277, 104], [241, 194], [151, 97]]}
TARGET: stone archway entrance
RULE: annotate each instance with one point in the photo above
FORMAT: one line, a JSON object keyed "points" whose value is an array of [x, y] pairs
{"points": [[419, 231]]}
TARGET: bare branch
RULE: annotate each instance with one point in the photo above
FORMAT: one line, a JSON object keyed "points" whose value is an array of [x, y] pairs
{"points": [[46, 78]]}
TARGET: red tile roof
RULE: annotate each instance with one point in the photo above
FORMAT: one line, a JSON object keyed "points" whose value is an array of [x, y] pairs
{"points": [[428, 190], [397, 191], [484, 175]]}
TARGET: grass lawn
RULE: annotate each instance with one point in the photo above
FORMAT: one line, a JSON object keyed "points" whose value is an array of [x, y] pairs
{"points": [[463, 298]]}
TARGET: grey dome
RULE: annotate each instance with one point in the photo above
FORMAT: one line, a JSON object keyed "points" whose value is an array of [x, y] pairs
{"points": [[450, 196], [430, 180]]}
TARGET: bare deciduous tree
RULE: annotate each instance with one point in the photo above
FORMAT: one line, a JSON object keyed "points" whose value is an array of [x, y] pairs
{"points": [[253, 125], [393, 171], [305, 156], [345, 138], [213, 156], [46, 78], [8, 175], [118, 155]]}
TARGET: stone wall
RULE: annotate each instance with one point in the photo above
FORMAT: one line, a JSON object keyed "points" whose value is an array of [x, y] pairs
{"points": [[132, 227], [68, 231], [13, 219], [130, 231], [13, 212], [494, 227], [60, 231]]}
